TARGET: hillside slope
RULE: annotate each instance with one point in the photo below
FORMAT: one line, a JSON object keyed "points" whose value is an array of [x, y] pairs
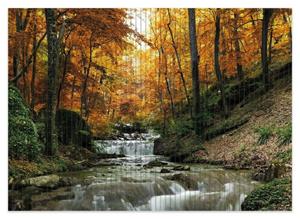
{"points": [[270, 112]]}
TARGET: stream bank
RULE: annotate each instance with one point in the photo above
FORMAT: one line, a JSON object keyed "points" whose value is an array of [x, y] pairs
{"points": [[139, 181]]}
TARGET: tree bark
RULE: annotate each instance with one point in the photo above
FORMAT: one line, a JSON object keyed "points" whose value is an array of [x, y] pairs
{"points": [[84, 104], [63, 77], [34, 44], [217, 64], [179, 63], [195, 71], [167, 82], [239, 66], [267, 13], [51, 138]]}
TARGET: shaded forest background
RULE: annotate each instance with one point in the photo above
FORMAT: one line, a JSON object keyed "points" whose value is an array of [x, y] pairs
{"points": [[134, 65]]}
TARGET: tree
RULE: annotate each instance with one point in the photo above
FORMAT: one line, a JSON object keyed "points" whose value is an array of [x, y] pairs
{"points": [[51, 82], [195, 70], [239, 66], [267, 13], [179, 62], [217, 64], [34, 44]]}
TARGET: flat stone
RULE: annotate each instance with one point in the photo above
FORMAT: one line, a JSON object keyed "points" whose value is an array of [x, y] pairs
{"points": [[49, 181]]}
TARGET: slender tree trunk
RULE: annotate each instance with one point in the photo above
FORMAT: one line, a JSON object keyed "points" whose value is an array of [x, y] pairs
{"points": [[84, 104], [267, 13], [34, 44], [270, 46], [16, 53], [179, 63], [51, 138], [239, 66], [217, 64], [63, 77], [73, 90], [167, 82], [195, 71]]}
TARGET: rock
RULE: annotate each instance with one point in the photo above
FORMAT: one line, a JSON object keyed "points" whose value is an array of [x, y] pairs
{"points": [[155, 163], [73, 129], [265, 173], [68, 181], [164, 170], [133, 180], [187, 180], [49, 181], [181, 168]]}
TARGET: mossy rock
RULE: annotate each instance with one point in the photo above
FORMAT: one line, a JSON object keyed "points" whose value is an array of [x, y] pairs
{"points": [[275, 195], [22, 132], [72, 129]]}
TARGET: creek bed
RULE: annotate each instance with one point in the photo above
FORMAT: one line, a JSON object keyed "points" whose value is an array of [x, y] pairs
{"points": [[128, 184]]}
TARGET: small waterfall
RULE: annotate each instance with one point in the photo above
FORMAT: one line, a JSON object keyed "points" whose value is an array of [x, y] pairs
{"points": [[128, 147], [176, 188], [135, 146]]}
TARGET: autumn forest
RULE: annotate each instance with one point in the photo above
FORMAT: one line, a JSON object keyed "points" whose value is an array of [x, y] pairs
{"points": [[167, 90]]}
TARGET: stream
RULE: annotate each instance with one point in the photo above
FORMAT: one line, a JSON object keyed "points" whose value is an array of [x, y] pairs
{"points": [[128, 184]]}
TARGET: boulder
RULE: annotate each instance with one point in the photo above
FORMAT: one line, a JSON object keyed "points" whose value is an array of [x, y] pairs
{"points": [[164, 170], [49, 181], [181, 168], [73, 129], [155, 163], [188, 181]]}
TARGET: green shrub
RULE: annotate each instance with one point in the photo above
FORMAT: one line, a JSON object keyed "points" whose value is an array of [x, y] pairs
{"points": [[275, 195], [22, 132], [264, 134], [180, 127], [16, 105], [284, 135]]}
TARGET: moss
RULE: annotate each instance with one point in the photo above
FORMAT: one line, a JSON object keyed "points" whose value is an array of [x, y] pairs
{"points": [[72, 129], [16, 105], [22, 132], [275, 195]]}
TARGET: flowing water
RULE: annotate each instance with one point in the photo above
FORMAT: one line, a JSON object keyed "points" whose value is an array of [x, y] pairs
{"points": [[126, 184]]}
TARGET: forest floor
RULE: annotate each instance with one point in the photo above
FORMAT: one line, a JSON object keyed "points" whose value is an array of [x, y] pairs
{"points": [[270, 112], [68, 158]]}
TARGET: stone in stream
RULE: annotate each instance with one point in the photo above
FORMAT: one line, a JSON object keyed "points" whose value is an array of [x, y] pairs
{"points": [[181, 168], [165, 170], [49, 181], [155, 163], [186, 180]]}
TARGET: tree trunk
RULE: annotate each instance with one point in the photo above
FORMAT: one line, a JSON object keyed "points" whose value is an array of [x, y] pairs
{"points": [[16, 53], [51, 138], [179, 63], [217, 64], [63, 77], [167, 82], [239, 66], [195, 71], [267, 13], [84, 106], [34, 44]]}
